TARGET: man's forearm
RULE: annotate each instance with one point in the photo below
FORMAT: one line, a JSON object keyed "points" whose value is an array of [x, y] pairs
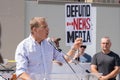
{"points": [[24, 76], [70, 54], [113, 73]]}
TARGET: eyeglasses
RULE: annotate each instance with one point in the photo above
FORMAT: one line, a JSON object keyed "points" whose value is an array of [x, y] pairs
{"points": [[83, 46]]}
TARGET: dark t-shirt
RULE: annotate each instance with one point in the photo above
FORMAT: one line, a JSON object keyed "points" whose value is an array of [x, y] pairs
{"points": [[106, 62]]}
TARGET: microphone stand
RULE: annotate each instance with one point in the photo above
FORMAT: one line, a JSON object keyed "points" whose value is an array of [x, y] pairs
{"points": [[59, 50], [68, 63], [76, 62]]}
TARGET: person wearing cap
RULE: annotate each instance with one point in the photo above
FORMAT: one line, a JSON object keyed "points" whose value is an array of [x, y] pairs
{"points": [[81, 56]]}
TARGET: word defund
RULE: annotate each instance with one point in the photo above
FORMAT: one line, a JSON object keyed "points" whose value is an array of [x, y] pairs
{"points": [[78, 10]]}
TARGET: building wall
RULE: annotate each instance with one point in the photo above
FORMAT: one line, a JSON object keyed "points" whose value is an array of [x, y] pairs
{"points": [[12, 26], [15, 16], [107, 22], [55, 15]]}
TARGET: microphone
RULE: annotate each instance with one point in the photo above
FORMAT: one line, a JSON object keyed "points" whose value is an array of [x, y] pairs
{"points": [[53, 44]]}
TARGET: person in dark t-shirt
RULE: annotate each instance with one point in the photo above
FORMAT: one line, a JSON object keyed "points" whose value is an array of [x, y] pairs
{"points": [[106, 61]]}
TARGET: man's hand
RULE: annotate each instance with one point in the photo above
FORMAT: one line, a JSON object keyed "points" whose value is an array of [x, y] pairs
{"points": [[103, 78], [78, 42]]}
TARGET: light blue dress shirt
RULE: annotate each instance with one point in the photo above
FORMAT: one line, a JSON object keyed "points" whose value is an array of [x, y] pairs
{"points": [[35, 58]]}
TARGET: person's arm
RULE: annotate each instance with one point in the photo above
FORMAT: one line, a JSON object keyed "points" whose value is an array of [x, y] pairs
{"points": [[24, 76], [76, 45], [95, 71], [58, 62], [21, 63], [74, 58], [94, 68], [111, 74]]}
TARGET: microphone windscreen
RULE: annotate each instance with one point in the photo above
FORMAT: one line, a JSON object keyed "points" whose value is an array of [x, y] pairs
{"points": [[48, 39], [51, 42]]}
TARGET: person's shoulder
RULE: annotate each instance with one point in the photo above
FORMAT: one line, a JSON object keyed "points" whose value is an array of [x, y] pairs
{"points": [[87, 54], [24, 42], [48, 41], [97, 54], [113, 53]]}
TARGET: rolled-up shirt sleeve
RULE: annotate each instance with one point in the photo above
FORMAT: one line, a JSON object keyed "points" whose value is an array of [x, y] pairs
{"points": [[21, 60], [59, 56]]}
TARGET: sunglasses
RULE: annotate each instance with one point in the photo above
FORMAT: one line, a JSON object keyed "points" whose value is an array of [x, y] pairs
{"points": [[83, 46]]}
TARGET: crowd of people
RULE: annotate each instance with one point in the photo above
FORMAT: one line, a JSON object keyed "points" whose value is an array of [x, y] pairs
{"points": [[35, 55]]}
